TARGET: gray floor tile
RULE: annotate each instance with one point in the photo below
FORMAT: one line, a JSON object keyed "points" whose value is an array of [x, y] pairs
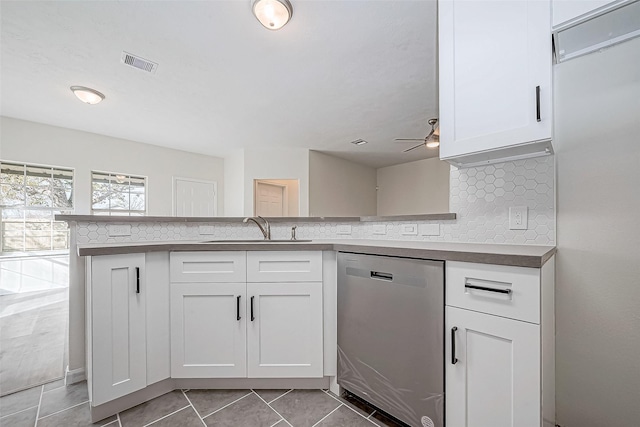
{"points": [[25, 418], [270, 394], [153, 410], [345, 417], [186, 417], [54, 385], [18, 401], [305, 407], [63, 398], [208, 401], [248, 411], [78, 416]]}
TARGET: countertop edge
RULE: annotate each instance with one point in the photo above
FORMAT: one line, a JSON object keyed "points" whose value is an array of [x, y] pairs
{"points": [[516, 260], [120, 219]]}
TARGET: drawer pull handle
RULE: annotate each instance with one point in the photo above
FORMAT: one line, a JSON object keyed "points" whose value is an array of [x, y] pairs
{"points": [[454, 360], [252, 316], [238, 308], [382, 276], [538, 104], [484, 288]]}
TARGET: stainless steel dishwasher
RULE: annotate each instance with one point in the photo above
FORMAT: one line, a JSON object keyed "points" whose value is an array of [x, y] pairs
{"points": [[391, 335]]}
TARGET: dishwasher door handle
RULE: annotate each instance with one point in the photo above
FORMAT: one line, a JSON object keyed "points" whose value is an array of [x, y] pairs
{"points": [[382, 276], [454, 360]]}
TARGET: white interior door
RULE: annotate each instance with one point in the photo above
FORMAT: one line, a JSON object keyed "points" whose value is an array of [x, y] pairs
{"points": [[195, 198], [270, 199]]}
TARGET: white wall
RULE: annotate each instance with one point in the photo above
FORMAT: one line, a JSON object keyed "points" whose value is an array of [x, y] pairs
{"points": [[338, 187], [414, 188], [234, 183], [276, 164], [597, 132], [31, 142]]}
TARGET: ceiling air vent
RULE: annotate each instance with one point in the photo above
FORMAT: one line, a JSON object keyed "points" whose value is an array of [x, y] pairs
{"points": [[139, 63]]}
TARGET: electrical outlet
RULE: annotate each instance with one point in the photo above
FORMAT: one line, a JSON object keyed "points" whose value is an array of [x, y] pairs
{"points": [[206, 229], [344, 229], [379, 229], [518, 218], [409, 229], [119, 230], [429, 229]]}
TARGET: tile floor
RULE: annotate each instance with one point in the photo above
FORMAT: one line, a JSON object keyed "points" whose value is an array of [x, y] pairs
{"points": [[33, 320], [54, 405]]}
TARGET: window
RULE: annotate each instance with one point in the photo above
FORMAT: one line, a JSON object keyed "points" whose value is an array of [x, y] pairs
{"points": [[118, 194], [30, 196]]}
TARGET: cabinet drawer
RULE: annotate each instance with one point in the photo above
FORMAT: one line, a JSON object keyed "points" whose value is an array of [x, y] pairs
{"points": [[229, 267], [512, 292], [293, 266]]}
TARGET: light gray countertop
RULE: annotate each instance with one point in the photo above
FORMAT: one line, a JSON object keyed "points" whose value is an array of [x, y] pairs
{"points": [[231, 219], [515, 255]]}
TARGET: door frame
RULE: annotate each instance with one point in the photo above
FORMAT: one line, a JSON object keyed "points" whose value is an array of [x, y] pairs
{"points": [[285, 195], [174, 195]]}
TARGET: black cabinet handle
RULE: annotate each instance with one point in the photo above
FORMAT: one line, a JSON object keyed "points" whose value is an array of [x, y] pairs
{"points": [[538, 103], [484, 288], [252, 317], [454, 360], [238, 308], [137, 280]]}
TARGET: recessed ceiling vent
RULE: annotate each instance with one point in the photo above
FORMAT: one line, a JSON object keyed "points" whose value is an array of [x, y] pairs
{"points": [[139, 63]]}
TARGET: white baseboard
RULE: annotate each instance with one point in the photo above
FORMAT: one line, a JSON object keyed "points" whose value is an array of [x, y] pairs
{"points": [[75, 376]]}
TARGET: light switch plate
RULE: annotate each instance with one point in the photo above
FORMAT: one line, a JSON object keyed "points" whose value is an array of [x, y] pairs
{"points": [[119, 230], [379, 229], [429, 229], [206, 229], [409, 229], [518, 218], [344, 229]]}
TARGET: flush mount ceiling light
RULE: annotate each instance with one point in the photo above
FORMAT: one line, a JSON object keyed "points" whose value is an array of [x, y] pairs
{"points": [[87, 95], [273, 14]]}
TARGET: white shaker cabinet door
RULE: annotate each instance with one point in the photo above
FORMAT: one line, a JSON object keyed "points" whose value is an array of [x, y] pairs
{"points": [[208, 330], [284, 327], [495, 380], [495, 74], [118, 331]]}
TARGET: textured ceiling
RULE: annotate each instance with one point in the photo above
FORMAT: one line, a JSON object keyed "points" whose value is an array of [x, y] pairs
{"points": [[339, 71]]}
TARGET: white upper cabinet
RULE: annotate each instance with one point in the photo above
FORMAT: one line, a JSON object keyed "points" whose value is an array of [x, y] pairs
{"points": [[495, 80]]}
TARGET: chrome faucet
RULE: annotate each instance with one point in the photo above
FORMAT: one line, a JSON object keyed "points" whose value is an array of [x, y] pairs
{"points": [[266, 230]]}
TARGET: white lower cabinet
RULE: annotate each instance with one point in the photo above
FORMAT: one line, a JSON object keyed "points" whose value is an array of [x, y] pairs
{"points": [[267, 329], [495, 380], [285, 330], [118, 352], [208, 330]]}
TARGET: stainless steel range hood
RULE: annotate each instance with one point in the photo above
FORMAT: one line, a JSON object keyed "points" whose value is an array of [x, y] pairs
{"points": [[608, 26]]}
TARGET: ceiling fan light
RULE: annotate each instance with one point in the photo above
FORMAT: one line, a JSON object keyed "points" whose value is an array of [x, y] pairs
{"points": [[87, 95], [433, 144], [273, 14]]}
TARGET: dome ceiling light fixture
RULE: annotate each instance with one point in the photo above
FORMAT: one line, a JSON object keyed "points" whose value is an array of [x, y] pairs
{"points": [[87, 95], [273, 14]]}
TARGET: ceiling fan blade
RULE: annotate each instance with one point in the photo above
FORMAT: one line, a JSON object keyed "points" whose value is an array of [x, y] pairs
{"points": [[413, 148], [409, 139]]}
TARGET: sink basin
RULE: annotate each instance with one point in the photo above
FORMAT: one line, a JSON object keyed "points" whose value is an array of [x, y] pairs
{"points": [[257, 241]]}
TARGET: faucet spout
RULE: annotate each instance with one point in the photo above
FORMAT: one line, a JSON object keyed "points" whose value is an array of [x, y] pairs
{"points": [[266, 230]]}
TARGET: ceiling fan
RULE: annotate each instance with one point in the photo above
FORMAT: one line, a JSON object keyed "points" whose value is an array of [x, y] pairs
{"points": [[432, 140]]}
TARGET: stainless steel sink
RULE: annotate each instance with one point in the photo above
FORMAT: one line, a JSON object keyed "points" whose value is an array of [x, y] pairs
{"points": [[258, 241]]}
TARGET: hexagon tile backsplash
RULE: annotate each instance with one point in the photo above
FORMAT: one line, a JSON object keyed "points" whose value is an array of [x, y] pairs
{"points": [[480, 197]]}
